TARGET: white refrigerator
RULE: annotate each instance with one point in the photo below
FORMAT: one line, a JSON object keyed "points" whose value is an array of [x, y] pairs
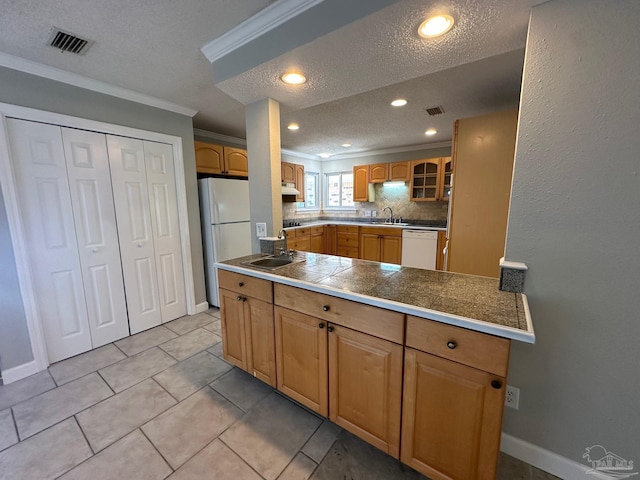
{"points": [[226, 225]]}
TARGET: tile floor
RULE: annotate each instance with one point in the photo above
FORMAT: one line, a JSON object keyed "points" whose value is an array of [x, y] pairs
{"points": [[163, 404]]}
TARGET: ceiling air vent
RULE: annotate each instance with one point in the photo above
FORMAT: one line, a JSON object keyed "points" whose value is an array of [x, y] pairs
{"points": [[68, 42], [435, 110]]}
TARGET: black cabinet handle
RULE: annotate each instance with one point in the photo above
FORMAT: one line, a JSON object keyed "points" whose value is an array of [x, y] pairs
{"points": [[330, 329], [325, 308], [241, 284], [451, 344], [497, 384], [321, 325], [238, 298]]}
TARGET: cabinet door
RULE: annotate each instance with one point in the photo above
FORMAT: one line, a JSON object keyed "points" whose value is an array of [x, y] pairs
{"points": [[330, 239], [288, 172], [365, 385], [301, 359], [47, 216], [209, 158], [400, 171], [317, 243], [163, 201], [446, 178], [370, 247], [451, 418], [95, 220], [425, 180], [300, 183], [235, 162], [133, 212], [378, 173], [233, 328], [361, 183], [442, 241], [260, 336], [390, 249]]}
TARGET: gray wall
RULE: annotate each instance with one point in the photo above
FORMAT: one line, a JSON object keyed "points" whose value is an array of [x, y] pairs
{"points": [[574, 218], [31, 91]]}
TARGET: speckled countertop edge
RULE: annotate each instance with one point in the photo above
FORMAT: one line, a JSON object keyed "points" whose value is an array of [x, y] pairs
{"points": [[524, 335]]}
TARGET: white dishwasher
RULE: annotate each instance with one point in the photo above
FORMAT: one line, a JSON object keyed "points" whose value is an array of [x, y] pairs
{"points": [[419, 248]]}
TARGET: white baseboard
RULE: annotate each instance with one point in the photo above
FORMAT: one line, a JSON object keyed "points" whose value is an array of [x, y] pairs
{"points": [[546, 460], [18, 373], [202, 307]]}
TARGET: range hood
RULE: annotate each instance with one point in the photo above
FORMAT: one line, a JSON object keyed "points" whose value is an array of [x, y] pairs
{"points": [[289, 189]]}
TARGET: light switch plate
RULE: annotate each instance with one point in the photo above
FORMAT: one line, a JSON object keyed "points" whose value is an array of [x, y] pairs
{"points": [[261, 229]]}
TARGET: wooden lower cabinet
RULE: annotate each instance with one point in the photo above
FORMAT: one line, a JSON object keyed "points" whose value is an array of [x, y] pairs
{"points": [[353, 378], [247, 324], [381, 244], [365, 387], [330, 239], [451, 418]]}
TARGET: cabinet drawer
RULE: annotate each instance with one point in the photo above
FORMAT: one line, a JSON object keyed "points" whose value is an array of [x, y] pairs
{"points": [[249, 286], [347, 229], [317, 230], [347, 240], [302, 232], [351, 252], [357, 316], [300, 243], [384, 231], [479, 350]]}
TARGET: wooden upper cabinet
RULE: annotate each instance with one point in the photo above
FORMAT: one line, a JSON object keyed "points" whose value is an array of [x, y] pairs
{"points": [[378, 173], [431, 179], [300, 184], [209, 158], [288, 172], [236, 161], [361, 183], [400, 171], [221, 160]]}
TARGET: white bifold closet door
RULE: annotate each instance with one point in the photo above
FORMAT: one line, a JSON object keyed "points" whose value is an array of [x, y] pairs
{"points": [[69, 224], [146, 209]]}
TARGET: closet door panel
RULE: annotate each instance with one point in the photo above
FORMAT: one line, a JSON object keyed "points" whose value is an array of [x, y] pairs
{"points": [[95, 223], [45, 204], [166, 230], [133, 214]]}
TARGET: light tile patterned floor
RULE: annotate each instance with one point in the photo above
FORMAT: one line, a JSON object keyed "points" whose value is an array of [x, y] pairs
{"points": [[163, 404]]}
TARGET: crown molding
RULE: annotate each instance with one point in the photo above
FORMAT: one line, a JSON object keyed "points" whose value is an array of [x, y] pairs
{"points": [[219, 137], [262, 22], [53, 73], [385, 151], [293, 153]]}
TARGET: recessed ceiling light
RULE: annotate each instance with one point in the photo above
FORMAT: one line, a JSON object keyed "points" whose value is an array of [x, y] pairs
{"points": [[346, 145], [430, 132], [435, 26], [293, 78], [399, 102], [293, 126], [324, 155]]}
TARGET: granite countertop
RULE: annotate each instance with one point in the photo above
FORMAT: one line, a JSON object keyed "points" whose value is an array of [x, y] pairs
{"points": [[462, 300]]}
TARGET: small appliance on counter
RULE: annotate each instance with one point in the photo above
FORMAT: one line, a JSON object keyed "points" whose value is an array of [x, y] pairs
{"points": [[226, 226]]}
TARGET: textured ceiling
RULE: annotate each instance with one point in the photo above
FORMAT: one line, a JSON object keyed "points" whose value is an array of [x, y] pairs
{"points": [[153, 47]]}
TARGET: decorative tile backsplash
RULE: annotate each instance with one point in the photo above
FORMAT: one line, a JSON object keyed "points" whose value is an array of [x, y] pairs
{"points": [[397, 198]]}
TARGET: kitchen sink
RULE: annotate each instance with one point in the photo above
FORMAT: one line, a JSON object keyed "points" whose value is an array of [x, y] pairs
{"points": [[386, 224], [274, 262]]}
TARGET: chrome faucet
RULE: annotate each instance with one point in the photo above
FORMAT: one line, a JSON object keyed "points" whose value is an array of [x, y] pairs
{"points": [[283, 234], [390, 220]]}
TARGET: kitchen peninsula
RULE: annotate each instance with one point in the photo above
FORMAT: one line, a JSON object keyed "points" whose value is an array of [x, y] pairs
{"points": [[412, 361]]}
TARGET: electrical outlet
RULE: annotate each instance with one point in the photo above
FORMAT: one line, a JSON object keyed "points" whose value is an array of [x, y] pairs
{"points": [[374, 213], [512, 397], [261, 229], [367, 213]]}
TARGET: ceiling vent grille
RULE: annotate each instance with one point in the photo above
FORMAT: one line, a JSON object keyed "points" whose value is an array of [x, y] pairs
{"points": [[435, 110], [68, 42]]}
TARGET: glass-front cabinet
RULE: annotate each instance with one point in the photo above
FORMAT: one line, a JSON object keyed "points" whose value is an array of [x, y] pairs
{"points": [[431, 179]]}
